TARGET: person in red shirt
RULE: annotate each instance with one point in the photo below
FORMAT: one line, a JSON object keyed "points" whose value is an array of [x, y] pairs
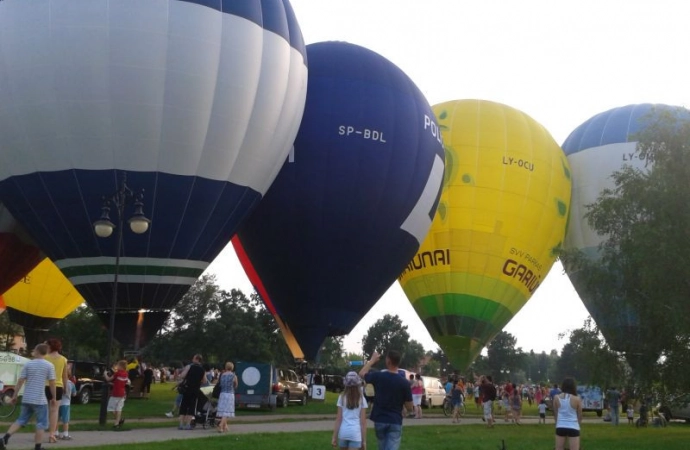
{"points": [[116, 402]]}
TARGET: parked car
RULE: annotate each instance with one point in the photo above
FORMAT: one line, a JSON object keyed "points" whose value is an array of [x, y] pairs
{"points": [[434, 392], [677, 409], [89, 376], [334, 383], [289, 388]]}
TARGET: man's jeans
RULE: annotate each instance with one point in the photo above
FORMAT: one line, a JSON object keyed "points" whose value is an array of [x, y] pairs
{"points": [[388, 435], [614, 415]]}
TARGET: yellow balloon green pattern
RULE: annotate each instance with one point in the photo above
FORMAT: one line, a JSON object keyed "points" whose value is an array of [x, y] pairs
{"points": [[500, 223], [44, 292]]}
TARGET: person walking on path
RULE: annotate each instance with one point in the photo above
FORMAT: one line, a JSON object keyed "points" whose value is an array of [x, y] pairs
{"points": [[613, 396], [34, 374], [226, 399], [350, 430], [116, 402], [392, 392], [456, 399], [567, 410], [60, 363]]}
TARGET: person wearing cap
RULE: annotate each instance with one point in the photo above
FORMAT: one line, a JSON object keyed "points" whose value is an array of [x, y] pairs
{"points": [[392, 393], [350, 430]]}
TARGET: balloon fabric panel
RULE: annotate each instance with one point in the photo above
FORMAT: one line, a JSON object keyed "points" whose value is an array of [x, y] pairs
{"points": [[356, 197], [42, 297], [197, 101], [500, 222], [18, 254]]}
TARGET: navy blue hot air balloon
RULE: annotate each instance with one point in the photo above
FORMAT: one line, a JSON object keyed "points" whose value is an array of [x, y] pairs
{"points": [[198, 101], [352, 203], [597, 148]]}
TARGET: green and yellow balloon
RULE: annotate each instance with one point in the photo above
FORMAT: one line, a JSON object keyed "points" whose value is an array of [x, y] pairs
{"points": [[501, 221]]}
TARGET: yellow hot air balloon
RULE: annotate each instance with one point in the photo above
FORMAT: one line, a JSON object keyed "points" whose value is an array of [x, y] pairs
{"points": [[41, 298], [501, 220]]}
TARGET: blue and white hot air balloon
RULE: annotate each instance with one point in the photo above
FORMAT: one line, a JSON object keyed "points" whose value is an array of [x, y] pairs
{"points": [[198, 101], [352, 203], [596, 149]]}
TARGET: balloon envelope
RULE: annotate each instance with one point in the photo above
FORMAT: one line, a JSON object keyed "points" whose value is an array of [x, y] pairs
{"points": [[597, 148], [18, 254], [41, 298], [500, 222], [198, 101], [354, 200]]}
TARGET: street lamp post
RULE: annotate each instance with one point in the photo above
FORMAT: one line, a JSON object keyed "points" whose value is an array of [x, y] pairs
{"points": [[103, 228]]}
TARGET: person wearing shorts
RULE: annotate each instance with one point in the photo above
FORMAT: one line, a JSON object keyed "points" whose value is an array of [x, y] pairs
{"points": [[34, 375], [488, 394], [116, 402], [64, 410], [567, 410]]}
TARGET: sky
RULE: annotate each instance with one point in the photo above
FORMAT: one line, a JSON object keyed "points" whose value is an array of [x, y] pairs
{"points": [[561, 62]]}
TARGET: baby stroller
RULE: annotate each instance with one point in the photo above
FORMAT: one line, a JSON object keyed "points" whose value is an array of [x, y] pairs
{"points": [[206, 408]]}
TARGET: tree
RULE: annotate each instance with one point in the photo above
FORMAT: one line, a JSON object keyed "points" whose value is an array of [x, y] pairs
{"points": [[413, 355], [389, 333], [8, 331], [82, 334], [644, 262], [223, 326], [587, 358], [502, 356]]}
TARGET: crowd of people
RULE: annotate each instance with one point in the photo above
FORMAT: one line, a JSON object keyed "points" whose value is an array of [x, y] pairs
{"points": [[49, 387]]}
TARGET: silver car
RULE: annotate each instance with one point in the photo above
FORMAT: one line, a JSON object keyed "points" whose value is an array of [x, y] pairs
{"points": [[678, 409]]}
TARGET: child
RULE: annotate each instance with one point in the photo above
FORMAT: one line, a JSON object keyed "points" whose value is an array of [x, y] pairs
{"points": [[350, 429], [542, 412], [116, 402], [63, 412], [631, 415]]}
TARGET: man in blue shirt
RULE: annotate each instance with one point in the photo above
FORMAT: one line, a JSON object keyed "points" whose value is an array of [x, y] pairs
{"points": [[392, 392]]}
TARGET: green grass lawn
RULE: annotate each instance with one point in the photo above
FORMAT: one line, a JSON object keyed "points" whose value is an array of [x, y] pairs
{"points": [[467, 437]]}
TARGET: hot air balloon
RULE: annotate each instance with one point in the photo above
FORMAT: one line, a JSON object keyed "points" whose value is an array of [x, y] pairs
{"points": [[197, 101], [500, 223], [596, 149], [353, 201], [18, 254], [41, 298]]}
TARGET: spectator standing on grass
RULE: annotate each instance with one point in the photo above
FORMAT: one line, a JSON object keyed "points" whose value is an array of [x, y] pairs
{"points": [[64, 411], [516, 405], [192, 376], [392, 392], [116, 402], [226, 399], [34, 374], [613, 396], [488, 395], [567, 410], [350, 429], [148, 380], [542, 411]]}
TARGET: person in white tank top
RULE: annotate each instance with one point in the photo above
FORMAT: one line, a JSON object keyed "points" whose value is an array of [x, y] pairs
{"points": [[567, 409]]}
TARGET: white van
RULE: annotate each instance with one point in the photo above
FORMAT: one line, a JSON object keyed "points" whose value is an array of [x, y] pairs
{"points": [[434, 392]]}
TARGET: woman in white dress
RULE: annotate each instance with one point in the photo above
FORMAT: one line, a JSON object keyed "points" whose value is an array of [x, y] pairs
{"points": [[226, 400]]}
